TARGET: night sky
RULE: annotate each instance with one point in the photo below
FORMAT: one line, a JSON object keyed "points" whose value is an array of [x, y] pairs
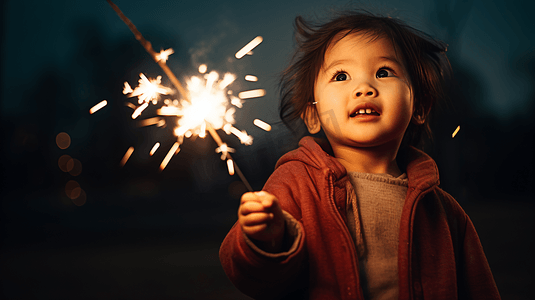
{"points": [[138, 233]]}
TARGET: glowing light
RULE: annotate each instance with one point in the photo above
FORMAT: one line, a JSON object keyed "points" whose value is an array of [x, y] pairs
{"points": [[202, 134], [72, 189], [126, 156], [100, 105], [132, 106], [149, 89], [139, 110], [230, 165], [262, 124], [164, 55], [202, 107], [250, 46], [236, 101], [81, 199], [242, 135], [252, 94], [207, 105], [64, 163], [169, 155], [152, 121], [224, 150], [63, 140], [154, 148], [456, 131], [127, 89], [203, 68], [251, 78], [76, 168]]}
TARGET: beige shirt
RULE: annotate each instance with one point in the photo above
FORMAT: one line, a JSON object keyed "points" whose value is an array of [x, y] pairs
{"points": [[373, 219]]}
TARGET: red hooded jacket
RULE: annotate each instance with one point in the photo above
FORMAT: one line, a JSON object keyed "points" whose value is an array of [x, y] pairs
{"points": [[439, 257]]}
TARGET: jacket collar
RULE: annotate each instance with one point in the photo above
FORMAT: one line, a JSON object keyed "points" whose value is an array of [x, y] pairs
{"points": [[421, 169]]}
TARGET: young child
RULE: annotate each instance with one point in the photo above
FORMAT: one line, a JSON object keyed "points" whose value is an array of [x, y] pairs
{"points": [[360, 216]]}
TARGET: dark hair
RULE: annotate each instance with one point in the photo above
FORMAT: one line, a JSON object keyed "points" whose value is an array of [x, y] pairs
{"points": [[425, 60]]}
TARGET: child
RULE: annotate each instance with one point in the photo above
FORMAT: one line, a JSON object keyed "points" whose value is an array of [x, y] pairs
{"points": [[360, 216]]}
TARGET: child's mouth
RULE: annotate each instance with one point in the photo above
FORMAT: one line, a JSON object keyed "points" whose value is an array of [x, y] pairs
{"points": [[364, 112]]}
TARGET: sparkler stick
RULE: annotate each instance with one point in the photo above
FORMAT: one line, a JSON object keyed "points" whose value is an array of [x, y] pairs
{"points": [[161, 62]]}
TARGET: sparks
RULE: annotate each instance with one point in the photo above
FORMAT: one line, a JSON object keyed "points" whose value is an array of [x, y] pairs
{"points": [[164, 55], [174, 150], [456, 131], [154, 148], [149, 90], [152, 121], [251, 78], [262, 124], [250, 46], [224, 150], [126, 156], [208, 105], [127, 89], [204, 106], [230, 165], [100, 105], [252, 94]]}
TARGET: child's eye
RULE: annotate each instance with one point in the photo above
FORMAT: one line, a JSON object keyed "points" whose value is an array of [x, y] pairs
{"points": [[340, 76], [384, 72]]}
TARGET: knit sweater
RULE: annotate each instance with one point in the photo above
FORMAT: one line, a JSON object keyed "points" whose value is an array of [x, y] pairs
{"points": [[377, 208]]}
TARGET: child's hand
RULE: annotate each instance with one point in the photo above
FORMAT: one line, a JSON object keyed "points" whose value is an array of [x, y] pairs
{"points": [[262, 220]]}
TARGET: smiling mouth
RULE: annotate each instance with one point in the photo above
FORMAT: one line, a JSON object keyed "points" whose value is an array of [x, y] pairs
{"points": [[364, 112]]}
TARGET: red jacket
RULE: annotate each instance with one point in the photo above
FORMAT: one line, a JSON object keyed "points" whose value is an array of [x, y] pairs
{"points": [[440, 255]]}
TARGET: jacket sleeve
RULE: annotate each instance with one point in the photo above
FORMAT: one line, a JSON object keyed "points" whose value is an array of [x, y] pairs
{"points": [[264, 275], [475, 277]]}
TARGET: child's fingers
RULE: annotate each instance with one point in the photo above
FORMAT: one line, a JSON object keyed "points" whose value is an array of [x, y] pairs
{"points": [[256, 219], [255, 231], [250, 207]]}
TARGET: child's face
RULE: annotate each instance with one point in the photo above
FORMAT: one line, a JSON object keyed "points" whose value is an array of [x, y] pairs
{"points": [[359, 75]]}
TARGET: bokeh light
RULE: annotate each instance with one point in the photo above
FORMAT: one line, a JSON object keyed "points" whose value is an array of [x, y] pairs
{"points": [[76, 167], [72, 189], [65, 163], [81, 199], [63, 140]]}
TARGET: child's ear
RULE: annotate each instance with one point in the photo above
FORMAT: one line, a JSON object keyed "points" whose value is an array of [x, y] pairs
{"points": [[310, 117], [417, 119]]}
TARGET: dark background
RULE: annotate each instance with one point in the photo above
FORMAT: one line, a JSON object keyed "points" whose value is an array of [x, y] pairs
{"points": [[146, 234]]}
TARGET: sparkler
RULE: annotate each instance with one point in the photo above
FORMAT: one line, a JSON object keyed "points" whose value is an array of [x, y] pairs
{"points": [[203, 106]]}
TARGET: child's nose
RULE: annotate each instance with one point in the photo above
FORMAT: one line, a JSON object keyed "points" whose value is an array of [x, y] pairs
{"points": [[365, 89]]}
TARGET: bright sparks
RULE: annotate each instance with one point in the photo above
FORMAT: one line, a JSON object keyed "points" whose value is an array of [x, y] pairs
{"points": [[126, 156], [456, 131], [252, 94], [203, 68], [262, 124], [148, 90], [230, 165], [100, 105], [154, 148], [174, 150], [208, 105], [127, 89], [251, 78], [250, 46], [164, 55], [224, 150], [152, 121]]}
